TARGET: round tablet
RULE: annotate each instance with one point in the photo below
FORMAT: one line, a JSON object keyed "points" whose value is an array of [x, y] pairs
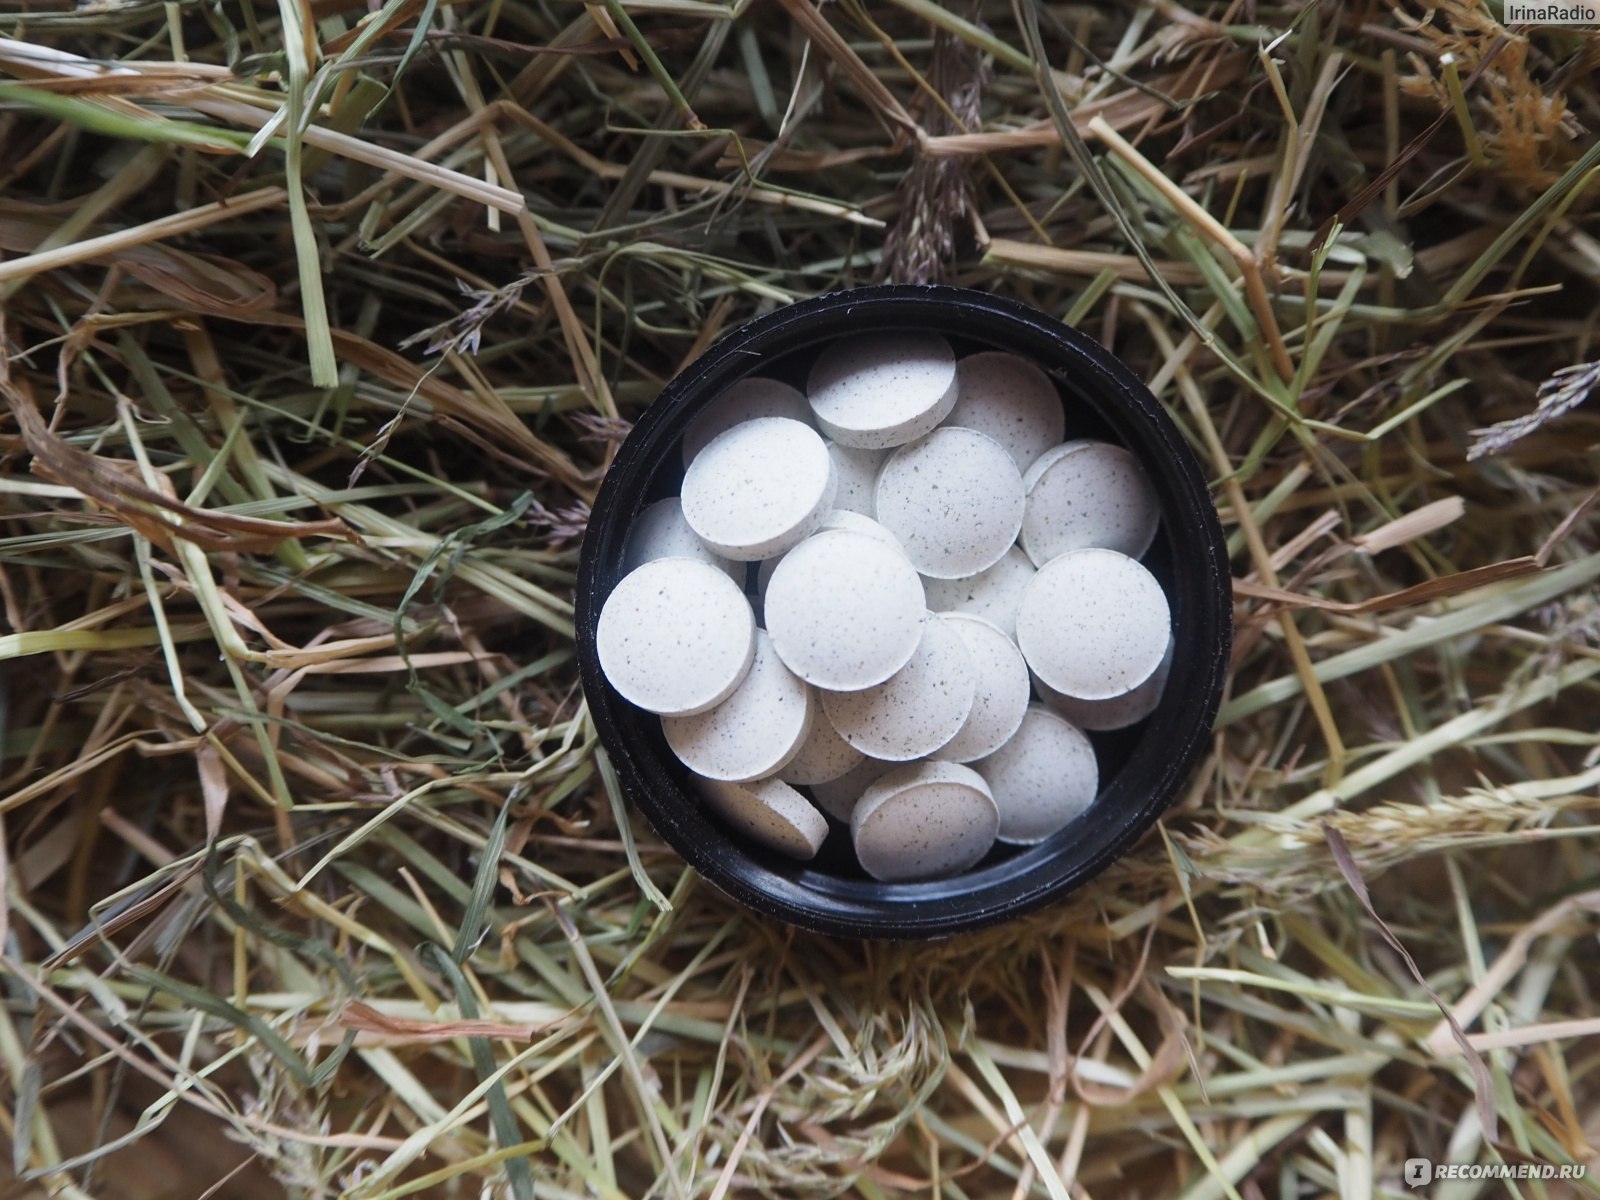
{"points": [[659, 531], [1002, 694], [739, 402], [845, 610], [917, 709], [1044, 777], [1093, 624], [927, 819], [843, 518], [752, 733], [1095, 495], [857, 472], [768, 811], [1116, 713], [954, 499], [1011, 400], [675, 637], [823, 757], [838, 797], [1049, 458], [993, 593], [878, 390], [759, 488], [838, 518]]}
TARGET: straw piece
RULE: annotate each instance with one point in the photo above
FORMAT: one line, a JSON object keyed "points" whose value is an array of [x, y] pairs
{"points": [[314, 878], [175, 225]]}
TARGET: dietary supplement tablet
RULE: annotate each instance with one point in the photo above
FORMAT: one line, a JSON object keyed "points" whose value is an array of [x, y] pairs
{"points": [[755, 731], [954, 499], [845, 610], [838, 797], [882, 389], [924, 820], [1041, 779], [659, 531], [1096, 494], [759, 488], [843, 518], [857, 473], [838, 518], [744, 401], [1093, 624], [917, 709], [1049, 458], [676, 636], [1118, 712], [768, 811], [992, 594], [823, 757], [1001, 697], [1011, 400]]}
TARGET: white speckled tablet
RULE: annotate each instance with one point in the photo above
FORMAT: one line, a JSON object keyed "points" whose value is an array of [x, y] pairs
{"points": [[769, 811], [1093, 624], [743, 401], [759, 488], [838, 797], [1044, 777], [1002, 694], [1116, 713], [676, 636], [878, 390], [924, 820], [659, 531], [857, 471], [838, 518], [1049, 458], [992, 594], [1011, 400], [1095, 495], [823, 757], [955, 501], [917, 709], [845, 610], [843, 518], [755, 731]]}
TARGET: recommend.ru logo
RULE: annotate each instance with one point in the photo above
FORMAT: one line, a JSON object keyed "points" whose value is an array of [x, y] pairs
{"points": [[1420, 1172]]}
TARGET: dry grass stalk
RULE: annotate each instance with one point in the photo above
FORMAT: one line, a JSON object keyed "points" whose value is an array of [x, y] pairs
{"points": [[1207, 225], [312, 881], [935, 195], [107, 244], [1558, 395]]}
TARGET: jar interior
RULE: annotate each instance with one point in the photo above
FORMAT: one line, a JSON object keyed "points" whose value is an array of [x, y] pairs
{"points": [[835, 871]]}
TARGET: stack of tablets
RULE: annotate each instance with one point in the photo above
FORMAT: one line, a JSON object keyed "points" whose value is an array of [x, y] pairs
{"points": [[899, 599]]}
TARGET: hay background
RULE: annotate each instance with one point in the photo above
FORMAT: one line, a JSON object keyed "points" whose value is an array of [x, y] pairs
{"points": [[255, 871]]}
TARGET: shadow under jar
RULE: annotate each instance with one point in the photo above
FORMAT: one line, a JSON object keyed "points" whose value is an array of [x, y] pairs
{"points": [[1142, 767]]}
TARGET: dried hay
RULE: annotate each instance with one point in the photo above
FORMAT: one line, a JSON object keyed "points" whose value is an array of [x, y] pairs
{"points": [[321, 323]]}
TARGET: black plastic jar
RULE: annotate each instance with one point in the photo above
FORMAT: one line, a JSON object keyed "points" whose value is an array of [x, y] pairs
{"points": [[1141, 768]]}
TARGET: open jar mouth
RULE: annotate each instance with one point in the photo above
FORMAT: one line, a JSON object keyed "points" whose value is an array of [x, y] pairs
{"points": [[1142, 767]]}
